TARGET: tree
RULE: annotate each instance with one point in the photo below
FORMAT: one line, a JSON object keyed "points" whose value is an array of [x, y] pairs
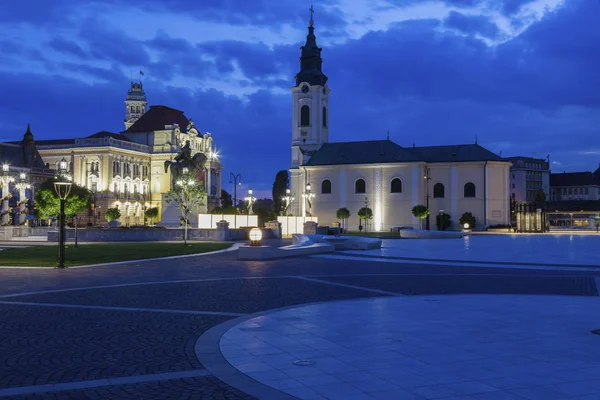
{"points": [[188, 195], [112, 214], [420, 211], [442, 221], [467, 218], [365, 214], [226, 200], [47, 202], [540, 196], [231, 210], [152, 213], [343, 214], [282, 182]]}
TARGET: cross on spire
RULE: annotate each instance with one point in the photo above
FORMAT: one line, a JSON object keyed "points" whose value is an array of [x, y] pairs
{"points": [[312, 11]]}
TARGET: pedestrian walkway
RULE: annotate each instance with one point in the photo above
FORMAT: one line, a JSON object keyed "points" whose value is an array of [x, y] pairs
{"points": [[431, 347]]}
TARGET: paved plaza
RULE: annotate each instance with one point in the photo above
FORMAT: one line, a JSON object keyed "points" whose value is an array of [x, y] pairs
{"points": [[351, 327]]}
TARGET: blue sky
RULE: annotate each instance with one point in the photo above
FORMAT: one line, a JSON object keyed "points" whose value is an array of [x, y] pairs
{"points": [[523, 76]]}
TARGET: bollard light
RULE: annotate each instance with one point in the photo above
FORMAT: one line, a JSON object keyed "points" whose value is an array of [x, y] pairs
{"points": [[255, 236]]}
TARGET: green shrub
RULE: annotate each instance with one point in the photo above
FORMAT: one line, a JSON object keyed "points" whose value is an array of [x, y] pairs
{"points": [[442, 221], [112, 214], [467, 218]]}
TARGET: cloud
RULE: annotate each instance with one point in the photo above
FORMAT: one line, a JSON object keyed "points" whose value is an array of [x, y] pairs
{"points": [[113, 45], [472, 24], [68, 47], [533, 94]]}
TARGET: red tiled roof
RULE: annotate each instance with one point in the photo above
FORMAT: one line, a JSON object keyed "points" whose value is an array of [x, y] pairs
{"points": [[157, 117]]}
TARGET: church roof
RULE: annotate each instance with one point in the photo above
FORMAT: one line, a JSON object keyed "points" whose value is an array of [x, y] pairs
{"points": [[157, 117], [386, 151], [22, 154], [365, 152], [103, 134], [454, 153], [311, 61]]}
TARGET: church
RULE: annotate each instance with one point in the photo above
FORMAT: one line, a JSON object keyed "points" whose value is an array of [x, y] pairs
{"points": [[129, 170], [380, 174]]}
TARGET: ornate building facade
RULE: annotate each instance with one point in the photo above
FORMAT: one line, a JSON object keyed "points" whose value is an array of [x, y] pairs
{"points": [[129, 170], [380, 174]]}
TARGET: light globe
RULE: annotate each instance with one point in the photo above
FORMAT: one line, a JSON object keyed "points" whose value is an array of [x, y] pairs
{"points": [[466, 225], [255, 236]]}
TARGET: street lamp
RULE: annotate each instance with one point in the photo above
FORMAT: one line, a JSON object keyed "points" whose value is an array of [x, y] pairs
{"points": [[288, 200], [250, 199], [22, 185], [62, 187], [307, 195], [236, 179], [427, 177], [5, 181]]}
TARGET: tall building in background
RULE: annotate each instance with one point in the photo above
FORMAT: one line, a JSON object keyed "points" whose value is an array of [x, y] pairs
{"points": [[527, 177]]}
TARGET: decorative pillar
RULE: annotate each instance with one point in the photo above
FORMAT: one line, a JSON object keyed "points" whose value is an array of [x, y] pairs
{"points": [[454, 194], [4, 207]]}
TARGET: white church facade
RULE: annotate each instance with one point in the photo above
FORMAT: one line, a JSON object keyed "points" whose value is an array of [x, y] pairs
{"points": [[380, 174]]}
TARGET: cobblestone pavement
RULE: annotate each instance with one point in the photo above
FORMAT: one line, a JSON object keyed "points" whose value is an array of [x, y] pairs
{"points": [[142, 319]]}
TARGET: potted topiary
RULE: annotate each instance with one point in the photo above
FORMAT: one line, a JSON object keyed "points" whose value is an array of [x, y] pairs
{"points": [[112, 216]]}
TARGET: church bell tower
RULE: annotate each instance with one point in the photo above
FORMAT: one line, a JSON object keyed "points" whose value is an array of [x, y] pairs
{"points": [[310, 102], [135, 103], [310, 117]]}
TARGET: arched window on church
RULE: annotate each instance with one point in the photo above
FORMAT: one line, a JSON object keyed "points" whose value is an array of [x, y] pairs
{"points": [[305, 116], [469, 190], [324, 117], [137, 109], [326, 186], [438, 190], [360, 186], [396, 186], [132, 109]]}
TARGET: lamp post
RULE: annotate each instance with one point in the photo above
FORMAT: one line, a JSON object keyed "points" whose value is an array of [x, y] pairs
{"points": [[307, 195], [62, 186], [236, 179], [427, 177], [288, 199], [21, 185], [5, 181], [183, 183], [250, 199]]}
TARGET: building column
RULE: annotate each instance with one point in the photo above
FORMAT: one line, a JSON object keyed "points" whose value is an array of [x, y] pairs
{"points": [[417, 178], [454, 193], [378, 218], [5, 207], [99, 187], [83, 176], [22, 197], [208, 181]]}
